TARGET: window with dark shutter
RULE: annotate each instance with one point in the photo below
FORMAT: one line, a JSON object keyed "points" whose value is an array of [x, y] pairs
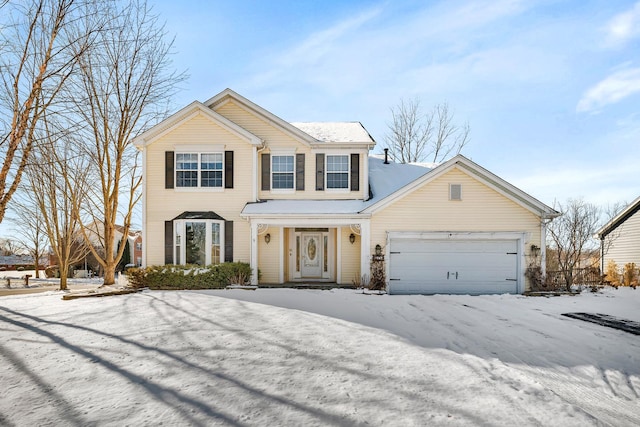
{"points": [[168, 169], [228, 169], [266, 172], [320, 172], [355, 172], [300, 172]]}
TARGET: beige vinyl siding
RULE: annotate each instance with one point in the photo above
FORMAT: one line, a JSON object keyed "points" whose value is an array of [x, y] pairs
{"points": [[165, 204], [269, 256], [276, 139], [481, 209], [624, 246], [349, 257]]}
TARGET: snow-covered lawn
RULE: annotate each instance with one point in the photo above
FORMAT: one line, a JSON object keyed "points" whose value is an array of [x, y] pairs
{"points": [[310, 357]]}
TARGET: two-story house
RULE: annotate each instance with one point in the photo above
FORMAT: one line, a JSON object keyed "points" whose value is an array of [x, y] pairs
{"points": [[227, 180]]}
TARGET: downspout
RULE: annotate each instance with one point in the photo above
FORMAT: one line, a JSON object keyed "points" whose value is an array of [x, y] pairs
{"points": [[543, 245], [256, 155], [602, 254], [253, 244]]}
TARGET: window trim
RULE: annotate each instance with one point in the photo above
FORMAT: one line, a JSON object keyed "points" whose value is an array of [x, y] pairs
{"points": [[293, 173], [179, 233], [346, 189], [199, 171]]}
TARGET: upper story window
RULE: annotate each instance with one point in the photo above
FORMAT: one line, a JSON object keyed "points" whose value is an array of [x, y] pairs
{"points": [[199, 169], [282, 172], [338, 171]]}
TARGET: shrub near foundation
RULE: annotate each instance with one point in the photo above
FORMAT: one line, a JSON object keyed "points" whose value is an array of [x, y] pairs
{"points": [[166, 277]]}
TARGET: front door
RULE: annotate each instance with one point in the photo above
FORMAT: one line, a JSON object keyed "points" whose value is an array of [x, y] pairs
{"points": [[312, 251]]}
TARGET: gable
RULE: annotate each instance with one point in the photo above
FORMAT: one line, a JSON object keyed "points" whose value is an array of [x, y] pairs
{"points": [[629, 214], [480, 207], [185, 115], [271, 133], [198, 130], [482, 175]]}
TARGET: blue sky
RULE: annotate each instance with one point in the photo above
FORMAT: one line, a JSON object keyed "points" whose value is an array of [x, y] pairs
{"points": [[551, 89]]}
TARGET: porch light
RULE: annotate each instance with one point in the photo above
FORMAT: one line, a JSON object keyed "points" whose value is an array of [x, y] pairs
{"points": [[352, 238], [267, 238], [535, 250]]}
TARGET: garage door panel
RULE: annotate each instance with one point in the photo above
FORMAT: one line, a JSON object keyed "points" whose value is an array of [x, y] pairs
{"points": [[453, 266]]}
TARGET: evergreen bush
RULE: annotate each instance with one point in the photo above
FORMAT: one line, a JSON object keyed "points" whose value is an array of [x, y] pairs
{"points": [[164, 277]]}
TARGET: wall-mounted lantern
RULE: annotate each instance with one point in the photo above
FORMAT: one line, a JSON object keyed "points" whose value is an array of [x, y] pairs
{"points": [[352, 238], [267, 238], [378, 254], [535, 250]]}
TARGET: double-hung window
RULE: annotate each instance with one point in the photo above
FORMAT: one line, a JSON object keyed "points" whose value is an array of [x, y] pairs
{"points": [[187, 170], [199, 170], [338, 172], [282, 172], [211, 169]]}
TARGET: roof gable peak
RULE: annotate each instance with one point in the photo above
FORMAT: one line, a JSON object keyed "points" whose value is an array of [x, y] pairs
{"points": [[187, 113], [227, 95]]}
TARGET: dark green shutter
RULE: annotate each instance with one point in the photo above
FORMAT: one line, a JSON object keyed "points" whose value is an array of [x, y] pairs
{"points": [[320, 172], [355, 172], [168, 169], [228, 241], [300, 172], [228, 169], [266, 172], [168, 242]]}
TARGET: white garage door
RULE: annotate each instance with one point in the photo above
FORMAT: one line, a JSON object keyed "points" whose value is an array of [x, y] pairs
{"points": [[453, 266]]}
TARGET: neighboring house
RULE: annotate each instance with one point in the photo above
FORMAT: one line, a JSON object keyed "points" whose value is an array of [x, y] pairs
{"points": [[96, 236], [620, 237], [227, 180], [135, 240]]}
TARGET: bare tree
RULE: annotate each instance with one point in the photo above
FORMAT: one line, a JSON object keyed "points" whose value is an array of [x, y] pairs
{"points": [[416, 136], [29, 228], [9, 247], [123, 86], [56, 180], [36, 59], [571, 236]]}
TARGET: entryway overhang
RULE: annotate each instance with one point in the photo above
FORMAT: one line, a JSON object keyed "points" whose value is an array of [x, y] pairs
{"points": [[306, 214]]}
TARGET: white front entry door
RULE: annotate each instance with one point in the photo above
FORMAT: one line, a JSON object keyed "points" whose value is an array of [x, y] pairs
{"points": [[312, 252]]}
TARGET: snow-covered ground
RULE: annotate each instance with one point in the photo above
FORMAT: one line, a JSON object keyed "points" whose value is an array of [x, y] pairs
{"points": [[311, 357]]}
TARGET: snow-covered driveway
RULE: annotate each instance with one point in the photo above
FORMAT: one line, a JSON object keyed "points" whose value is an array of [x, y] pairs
{"points": [[207, 358]]}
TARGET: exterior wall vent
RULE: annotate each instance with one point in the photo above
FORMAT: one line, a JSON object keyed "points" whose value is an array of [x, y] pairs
{"points": [[455, 191]]}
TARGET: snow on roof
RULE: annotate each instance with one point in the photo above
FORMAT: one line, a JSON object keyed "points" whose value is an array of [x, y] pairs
{"points": [[383, 180], [336, 131]]}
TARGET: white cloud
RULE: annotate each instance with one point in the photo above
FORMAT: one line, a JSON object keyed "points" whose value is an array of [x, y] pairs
{"points": [[624, 26], [612, 89]]}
